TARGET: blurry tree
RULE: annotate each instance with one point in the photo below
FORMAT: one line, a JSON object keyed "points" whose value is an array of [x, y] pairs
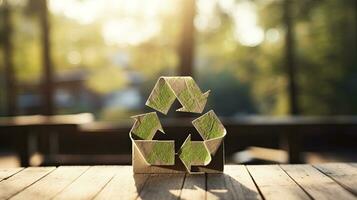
{"points": [[253, 77], [327, 51], [230, 97], [10, 78], [325, 56]]}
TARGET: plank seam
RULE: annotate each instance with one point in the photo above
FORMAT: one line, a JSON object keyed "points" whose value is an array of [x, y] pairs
{"points": [[103, 186], [12, 174], [340, 184], [33, 183], [296, 182], [183, 183], [69, 184], [206, 177], [256, 185]]}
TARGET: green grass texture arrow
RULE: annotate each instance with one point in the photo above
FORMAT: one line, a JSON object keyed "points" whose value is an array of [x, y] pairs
{"points": [[162, 152], [154, 152], [199, 153], [184, 88], [194, 153]]}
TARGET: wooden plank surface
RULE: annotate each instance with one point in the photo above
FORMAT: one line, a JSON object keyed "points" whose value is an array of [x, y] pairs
{"points": [[124, 185], [21, 180], [316, 184], [235, 183], [325, 181], [162, 186], [6, 173], [194, 187], [51, 184], [274, 183], [242, 182], [343, 173], [89, 183]]}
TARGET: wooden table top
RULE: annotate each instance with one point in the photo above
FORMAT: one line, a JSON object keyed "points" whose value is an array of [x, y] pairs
{"points": [[323, 181]]}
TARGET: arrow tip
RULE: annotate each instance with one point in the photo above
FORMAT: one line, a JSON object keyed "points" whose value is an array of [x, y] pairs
{"points": [[161, 129], [206, 94], [201, 103], [184, 150]]}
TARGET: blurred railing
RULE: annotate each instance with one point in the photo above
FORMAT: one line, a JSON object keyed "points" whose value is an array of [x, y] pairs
{"points": [[85, 141]]}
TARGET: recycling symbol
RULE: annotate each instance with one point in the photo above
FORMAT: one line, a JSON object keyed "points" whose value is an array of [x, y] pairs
{"points": [[162, 152]]}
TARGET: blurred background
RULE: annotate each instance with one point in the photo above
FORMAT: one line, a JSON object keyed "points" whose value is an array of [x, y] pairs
{"points": [[283, 76]]}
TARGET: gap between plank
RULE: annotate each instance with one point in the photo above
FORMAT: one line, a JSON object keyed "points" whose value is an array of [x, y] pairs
{"points": [[183, 183], [33, 182], [70, 182], [256, 185], [104, 186], [296, 182], [336, 181], [206, 177], [13, 174]]}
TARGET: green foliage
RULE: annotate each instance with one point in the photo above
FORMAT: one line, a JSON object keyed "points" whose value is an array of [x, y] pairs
{"points": [[246, 80], [107, 79], [327, 54], [230, 96], [254, 80]]}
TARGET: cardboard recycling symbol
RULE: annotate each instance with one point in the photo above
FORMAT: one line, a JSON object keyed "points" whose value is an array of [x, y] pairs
{"points": [[159, 156]]}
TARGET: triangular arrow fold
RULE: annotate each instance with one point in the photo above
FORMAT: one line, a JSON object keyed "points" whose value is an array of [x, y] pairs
{"points": [[194, 153], [211, 130], [155, 152], [151, 154], [184, 88]]}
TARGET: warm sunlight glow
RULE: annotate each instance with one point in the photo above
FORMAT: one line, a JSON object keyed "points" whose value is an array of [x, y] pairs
{"points": [[245, 19], [129, 31], [206, 19], [272, 35], [84, 12], [247, 32], [131, 22], [123, 22]]}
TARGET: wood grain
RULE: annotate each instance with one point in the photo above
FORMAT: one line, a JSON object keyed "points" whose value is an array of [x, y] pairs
{"points": [[21, 180], [274, 183], [162, 186], [323, 181], [343, 173], [89, 183], [194, 187], [315, 183], [236, 183], [52, 184], [124, 185], [219, 186], [242, 182], [7, 172]]}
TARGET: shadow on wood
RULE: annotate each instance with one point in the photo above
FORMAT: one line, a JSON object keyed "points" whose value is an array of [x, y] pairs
{"points": [[199, 186]]}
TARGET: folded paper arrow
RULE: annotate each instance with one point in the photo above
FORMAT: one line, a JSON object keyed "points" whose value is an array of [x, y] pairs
{"points": [[184, 88], [154, 152], [207, 154], [198, 153]]}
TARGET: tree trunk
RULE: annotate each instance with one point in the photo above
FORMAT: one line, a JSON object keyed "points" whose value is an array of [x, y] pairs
{"points": [[289, 57], [47, 76], [11, 89], [186, 45]]}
